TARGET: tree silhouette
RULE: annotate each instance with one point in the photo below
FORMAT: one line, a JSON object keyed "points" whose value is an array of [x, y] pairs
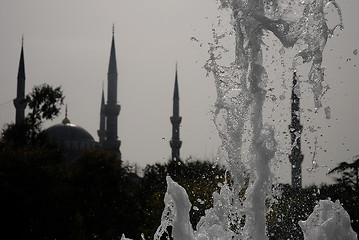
{"points": [[44, 103], [349, 174]]}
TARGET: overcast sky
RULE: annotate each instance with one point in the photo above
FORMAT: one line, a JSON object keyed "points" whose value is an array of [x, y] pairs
{"points": [[67, 44]]}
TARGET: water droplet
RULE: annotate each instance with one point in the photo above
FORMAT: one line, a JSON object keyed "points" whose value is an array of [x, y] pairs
{"points": [[349, 59], [194, 39], [327, 112], [163, 139]]}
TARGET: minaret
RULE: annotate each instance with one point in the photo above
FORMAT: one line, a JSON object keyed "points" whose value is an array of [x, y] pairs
{"points": [[175, 142], [112, 109], [296, 156], [102, 131], [19, 101]]}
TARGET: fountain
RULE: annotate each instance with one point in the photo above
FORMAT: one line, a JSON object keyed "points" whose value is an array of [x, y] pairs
{"points": [[250, 144]]}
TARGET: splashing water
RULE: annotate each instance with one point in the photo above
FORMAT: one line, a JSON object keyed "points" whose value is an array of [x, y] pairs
{"points": [[249, 143], [176, 213], [328, 221], [241, 93]]}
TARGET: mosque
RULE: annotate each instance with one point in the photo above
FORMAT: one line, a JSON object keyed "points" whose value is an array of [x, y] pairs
{"points": [[76, 139]]}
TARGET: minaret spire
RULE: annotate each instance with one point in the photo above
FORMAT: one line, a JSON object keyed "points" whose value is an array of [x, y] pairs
{"points": [[176, 120], [112, 109], [296, 156], [175, 92], [19, 101], [112, 67]]}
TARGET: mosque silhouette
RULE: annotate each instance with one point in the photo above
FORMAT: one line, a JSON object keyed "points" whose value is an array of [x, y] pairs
{"points": [[76, 139]]}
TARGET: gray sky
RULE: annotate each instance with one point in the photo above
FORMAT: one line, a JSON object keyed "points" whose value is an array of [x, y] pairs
{"points": [[67, 43]]}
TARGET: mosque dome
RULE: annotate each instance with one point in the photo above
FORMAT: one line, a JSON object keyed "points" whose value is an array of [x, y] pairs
{"points": [[71, 136], [69, 132]]}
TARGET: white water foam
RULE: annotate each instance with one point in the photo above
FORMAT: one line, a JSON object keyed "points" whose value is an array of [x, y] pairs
{"points": [[329, 221]]}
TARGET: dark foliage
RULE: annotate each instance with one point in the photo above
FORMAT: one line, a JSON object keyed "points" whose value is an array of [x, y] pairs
{"points": [[32, 181], [102, 202], [349, 174], [44, 103]]}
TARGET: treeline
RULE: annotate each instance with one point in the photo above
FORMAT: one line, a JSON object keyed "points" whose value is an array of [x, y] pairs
{"points": [[97, 197]]}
